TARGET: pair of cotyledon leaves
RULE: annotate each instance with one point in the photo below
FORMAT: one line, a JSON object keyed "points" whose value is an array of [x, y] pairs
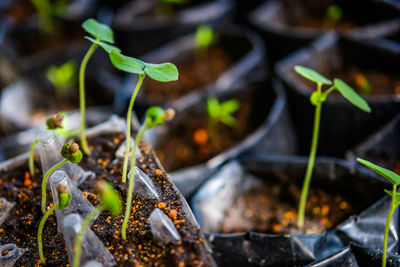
{"points": [[223, 111], [104, 37], [344, 89]]}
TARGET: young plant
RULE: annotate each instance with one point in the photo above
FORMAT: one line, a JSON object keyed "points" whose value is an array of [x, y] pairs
{"points": [[53, 123], [332, 15], [109, 200], [164, 72], [203, 39], [220, 112], [363, 84], [103, 36], [394, 178], [62, 77], [317, 98], [71, 153], [46, 11], [63, 201], [154, 116]]}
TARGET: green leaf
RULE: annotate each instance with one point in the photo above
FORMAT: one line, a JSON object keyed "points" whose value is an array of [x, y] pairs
{"points": [[74, 157], [312, 75], [348, 93], [107, 47], [128, 64], [228, 120], [204, 36], [165, 72], [155, 116], [230, 106], [393, 177], [98, 30], [63, 200], [213, 107], [109, 197]]}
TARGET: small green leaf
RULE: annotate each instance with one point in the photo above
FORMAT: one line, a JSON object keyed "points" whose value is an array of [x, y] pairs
{"points": [[334, 12], [107, 47], [165, 72], [312, 75], [98, 30], [230, 106], [204, 36], [128, 64], [72, 153], [213, 107], [109, 198], [393, 177], [155, 116], [348, 93], [228, 120], [63, 200]]}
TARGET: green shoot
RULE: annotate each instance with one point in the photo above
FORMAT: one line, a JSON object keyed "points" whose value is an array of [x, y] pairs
{"points": [[394, 178], [53, 123], [317, 98], [46, 11], [62, 77], [220, 112], [203, 39], [109, 200], [154, 116], [70, 152], [332, 15], [165, 72], [102, 36], [63, 201]]}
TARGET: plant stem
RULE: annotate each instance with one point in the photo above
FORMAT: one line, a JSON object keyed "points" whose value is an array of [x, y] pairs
{"points": [[385, 239], [310, 165], [128, 127], [131, 181], [82, 232], [82, 101], [214, 133], [44, 181], [40, 231], [32, 158]]}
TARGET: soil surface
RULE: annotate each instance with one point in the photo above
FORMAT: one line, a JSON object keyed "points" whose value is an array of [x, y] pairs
{"points": [[140, 249]]}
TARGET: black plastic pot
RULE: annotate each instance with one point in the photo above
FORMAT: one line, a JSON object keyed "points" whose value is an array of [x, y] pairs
{"points": [[273, 133], [258, 249], [342, 124], [138, 30], [278, 21]]}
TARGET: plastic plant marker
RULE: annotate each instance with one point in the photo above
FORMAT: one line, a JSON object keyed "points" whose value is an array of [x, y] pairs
{"points": [[316, 99], [5, 208], [162, 228], [120, 153], [165, 72], [143, 185], [394, 178], [9, 254]]}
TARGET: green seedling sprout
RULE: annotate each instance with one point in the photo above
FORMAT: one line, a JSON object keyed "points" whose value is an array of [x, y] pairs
{"points": [[220, 112], [63, 201], [317, 98], [154, 116], [164, 72], [62, 77], [103, 36], [363, 84], [46, 11], [71, 153], [53, 123], [332, 15], [109, 200], [394, 178]]}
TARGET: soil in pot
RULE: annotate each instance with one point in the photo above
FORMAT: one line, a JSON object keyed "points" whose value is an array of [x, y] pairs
{"points": [[20, 10], [140, 249]]}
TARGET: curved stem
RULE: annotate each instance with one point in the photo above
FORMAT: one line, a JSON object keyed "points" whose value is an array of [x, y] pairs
{"points": [[40, 231], [32, 158], [128, 127], [131, 181], [82, 232], [44, 181], [389, 218], [310, 165], [82, 102]]}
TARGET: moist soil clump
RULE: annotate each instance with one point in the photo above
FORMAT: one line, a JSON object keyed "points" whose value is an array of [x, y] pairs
{"points": [[140, 248]]}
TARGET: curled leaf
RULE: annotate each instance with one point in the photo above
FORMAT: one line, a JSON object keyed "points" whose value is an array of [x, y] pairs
{"points": [[72, 153]]}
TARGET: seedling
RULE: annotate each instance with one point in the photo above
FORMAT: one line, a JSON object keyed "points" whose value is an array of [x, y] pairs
{"points": [[394, 178], [71, 153], [63, 201], [103, 36], [154, 116], [53, 123], [164, 72], [62, 77], [220, 112], [46, 11], [363, 84], [109, 200], [332, 15], [317, 98]]}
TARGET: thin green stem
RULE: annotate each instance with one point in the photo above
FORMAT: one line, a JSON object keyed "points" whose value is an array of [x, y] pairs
{"points": [[44, 181], [82, 102], [82, 232], [329, 90], [40, 231], [389, 218], [310, 165], [32, 158], [128, 127], [131, 181]]}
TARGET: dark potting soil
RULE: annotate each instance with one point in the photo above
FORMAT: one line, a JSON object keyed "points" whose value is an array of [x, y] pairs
{"points": [[21, 10], [195, 72], [140, 249]]}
